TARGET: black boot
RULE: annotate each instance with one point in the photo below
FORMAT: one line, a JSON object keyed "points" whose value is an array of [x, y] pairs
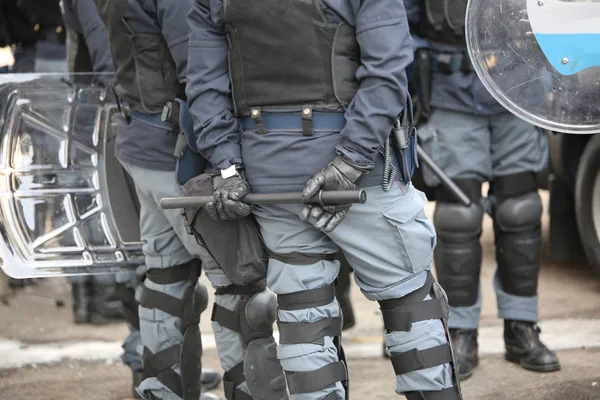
{"points": [[82, 298], [107, 306], [523, 346], [464, 343], [210, 379]]}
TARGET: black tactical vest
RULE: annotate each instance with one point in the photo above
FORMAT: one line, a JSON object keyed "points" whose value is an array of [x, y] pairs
{"points": [[146, 75], [284, 53], [443, 21]]}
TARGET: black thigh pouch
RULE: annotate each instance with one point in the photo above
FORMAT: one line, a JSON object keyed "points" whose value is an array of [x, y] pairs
{"points": [[236, 245]]}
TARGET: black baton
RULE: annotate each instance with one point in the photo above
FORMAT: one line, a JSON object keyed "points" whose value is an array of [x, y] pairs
{"points": [[323, 197], [446, 181]]}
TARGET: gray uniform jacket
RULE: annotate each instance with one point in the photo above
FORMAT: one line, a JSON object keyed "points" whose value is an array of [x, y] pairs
{"points": [[458, 91], [139, 143], [386, 50], [82, 17]]}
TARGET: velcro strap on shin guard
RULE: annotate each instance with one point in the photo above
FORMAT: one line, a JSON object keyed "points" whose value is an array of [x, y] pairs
{"points": [[241, 290], [178, 273], [312, 381], [161, 301], [226, 318], [189, 271], [231, 380], [403, 316], [445, 394], [308, 332], [514, 185], [159, 366], [400, 314], [155, 363], [307, 298], [421, 359]]}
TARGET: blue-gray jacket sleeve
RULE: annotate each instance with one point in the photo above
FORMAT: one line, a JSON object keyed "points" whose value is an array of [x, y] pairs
{"points": [[171, 16], [386, 50], [208, 90], [95, 35]]}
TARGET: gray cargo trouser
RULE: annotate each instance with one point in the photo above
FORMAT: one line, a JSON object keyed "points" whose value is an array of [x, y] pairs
{"points": [[389, 242], [133, 349], [166, 245], [466, 146]]}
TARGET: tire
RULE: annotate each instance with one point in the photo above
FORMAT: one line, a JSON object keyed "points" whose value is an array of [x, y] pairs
{"points": [[565, 152], [587, 201]]}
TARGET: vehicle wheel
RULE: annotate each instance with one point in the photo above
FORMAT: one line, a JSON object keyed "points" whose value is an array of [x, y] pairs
{"points": [[587, 201], [565, 152]]}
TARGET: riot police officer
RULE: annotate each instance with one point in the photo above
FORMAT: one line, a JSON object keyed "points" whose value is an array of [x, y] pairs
{"points": [[474, 139], [149, 42], [304, 96]]}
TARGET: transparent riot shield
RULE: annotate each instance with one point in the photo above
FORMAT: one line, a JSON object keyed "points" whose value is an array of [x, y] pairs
{"points": [[540, 59], [66, 207]]}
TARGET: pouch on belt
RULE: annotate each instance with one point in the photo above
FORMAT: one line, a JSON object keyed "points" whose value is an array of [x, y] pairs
{"points": [[404, 137], [235, 245], [189, 161]]}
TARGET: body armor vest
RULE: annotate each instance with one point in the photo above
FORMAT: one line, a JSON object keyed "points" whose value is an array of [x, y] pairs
{"points": [[443, 21], [146, 75], [286, 54]]}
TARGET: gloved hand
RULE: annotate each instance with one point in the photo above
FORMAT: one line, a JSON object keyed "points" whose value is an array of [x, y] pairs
{"points": [[338, 175], [228, 195]]}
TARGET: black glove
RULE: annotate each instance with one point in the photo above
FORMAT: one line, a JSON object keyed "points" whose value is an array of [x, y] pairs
{"points": [[338, 175], [228, 195]]}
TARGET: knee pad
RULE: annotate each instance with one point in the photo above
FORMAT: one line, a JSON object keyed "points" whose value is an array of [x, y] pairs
{"points": [[253, 319], [263, 372], [517, 226], [188, 309], [200, 302], [247, 290], [458, 252], [399, 315], [261, 311]]}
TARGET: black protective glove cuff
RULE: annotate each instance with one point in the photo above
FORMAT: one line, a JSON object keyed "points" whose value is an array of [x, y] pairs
{"points": [[228, 195], [218, 179], [353, 172]]}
